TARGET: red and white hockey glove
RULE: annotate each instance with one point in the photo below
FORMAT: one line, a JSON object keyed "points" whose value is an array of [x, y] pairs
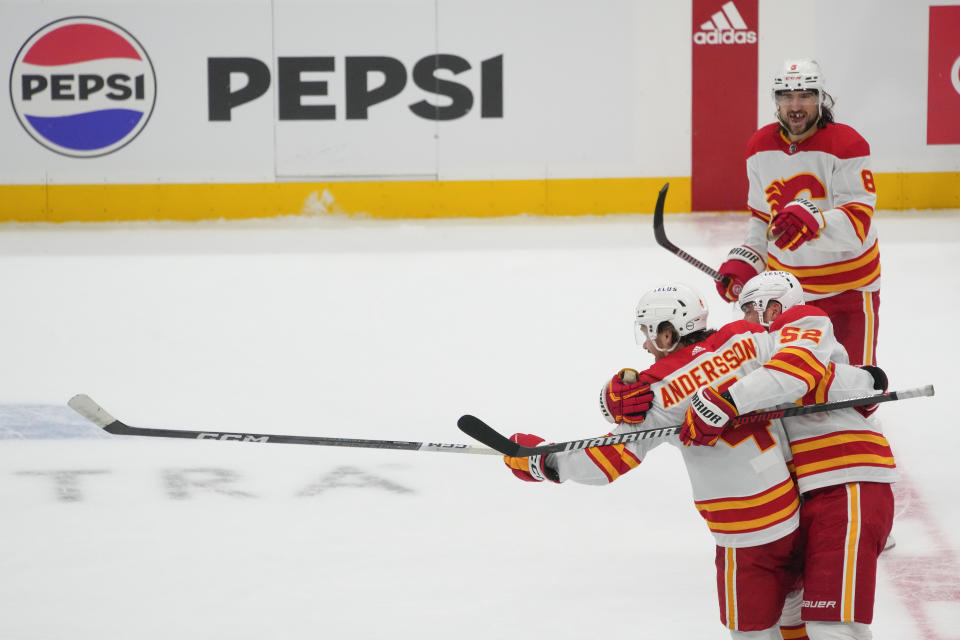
{"points": [[533, 468], [742, 263], [795, 223], [626, 398], [706, 417], [879, 383]]}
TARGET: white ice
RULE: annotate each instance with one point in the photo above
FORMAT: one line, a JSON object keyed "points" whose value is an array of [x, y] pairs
{"points": [[392, 330]]}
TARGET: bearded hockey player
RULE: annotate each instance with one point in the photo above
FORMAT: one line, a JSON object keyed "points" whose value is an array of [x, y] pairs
{"points": [[811, 198]]}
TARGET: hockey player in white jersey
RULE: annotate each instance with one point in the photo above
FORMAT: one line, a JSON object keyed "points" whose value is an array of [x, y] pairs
{"points": [[742, 487], [811, 198], [843, 464]]}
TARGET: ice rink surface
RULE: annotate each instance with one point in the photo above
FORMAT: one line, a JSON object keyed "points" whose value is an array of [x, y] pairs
{"points": [[391, 330]]}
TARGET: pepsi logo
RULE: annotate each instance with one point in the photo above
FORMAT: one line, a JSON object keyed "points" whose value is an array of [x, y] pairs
{"points": [[83, 87], [955, 75]]}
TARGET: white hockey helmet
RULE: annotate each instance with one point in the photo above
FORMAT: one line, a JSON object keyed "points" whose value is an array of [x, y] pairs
{"points": [[772, 286], [802, 74], [677, 304]]}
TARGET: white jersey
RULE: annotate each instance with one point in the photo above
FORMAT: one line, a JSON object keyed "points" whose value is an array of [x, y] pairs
{"points": [[805, 364], [832, 169], [742, 486]]}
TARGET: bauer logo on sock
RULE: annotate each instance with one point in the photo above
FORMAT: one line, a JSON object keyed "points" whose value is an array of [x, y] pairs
{"points": [[82, 87]]}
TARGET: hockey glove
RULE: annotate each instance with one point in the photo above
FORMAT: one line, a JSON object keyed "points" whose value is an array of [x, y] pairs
{"points": [[706, 417], [796, 223], [879, 383], [742, 263], [533, 468], [626, 398]]}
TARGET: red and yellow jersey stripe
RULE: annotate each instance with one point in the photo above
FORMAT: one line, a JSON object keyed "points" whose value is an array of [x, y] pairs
{"points": [[821, 392], [613, 460], [801, 364], [763, 216], [841, 450], [751, 513], [845, 275], [860, 216]]}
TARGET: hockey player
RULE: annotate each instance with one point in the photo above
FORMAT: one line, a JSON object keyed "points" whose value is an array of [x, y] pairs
{"points": [[843, 464], [811, 196], [742, 487]]}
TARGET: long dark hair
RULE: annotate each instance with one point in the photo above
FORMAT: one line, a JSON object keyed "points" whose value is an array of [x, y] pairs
{"points": [[696, 336], [690, 338], [826, 110]]}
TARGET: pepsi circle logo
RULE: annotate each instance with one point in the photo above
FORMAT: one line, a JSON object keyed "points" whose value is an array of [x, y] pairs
{"points": [[83, 87], [955, 75]]}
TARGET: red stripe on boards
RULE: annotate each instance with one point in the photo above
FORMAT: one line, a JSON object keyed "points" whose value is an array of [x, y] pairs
{"points": [[943, 78], [724, 101]]}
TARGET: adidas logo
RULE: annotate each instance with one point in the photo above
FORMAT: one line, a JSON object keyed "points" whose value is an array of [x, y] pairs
{"points": [[725, 27]]}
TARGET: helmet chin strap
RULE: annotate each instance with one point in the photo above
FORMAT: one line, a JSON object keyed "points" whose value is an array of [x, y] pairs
{"points": [[763, 311], [668, 350]]}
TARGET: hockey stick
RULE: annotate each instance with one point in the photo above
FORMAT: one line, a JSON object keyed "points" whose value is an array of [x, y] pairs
{"points": [[662, 240], [96, 414], [481, 431]]}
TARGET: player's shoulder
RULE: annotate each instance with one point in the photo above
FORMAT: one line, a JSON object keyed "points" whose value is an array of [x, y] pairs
{"points": [[680, 358], [766, 138], [800, 313], [665, 367], [840, 140], [728, 331]]}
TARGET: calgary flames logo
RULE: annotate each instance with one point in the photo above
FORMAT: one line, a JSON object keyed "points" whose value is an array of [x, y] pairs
{"points": [[780, 192]]}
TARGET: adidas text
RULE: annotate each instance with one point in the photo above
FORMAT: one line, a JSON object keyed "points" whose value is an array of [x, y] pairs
{"points": [[725, 37]]}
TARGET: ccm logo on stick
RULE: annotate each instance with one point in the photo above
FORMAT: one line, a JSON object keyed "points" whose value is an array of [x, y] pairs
{"points": [[367, 80], [233, 436]]}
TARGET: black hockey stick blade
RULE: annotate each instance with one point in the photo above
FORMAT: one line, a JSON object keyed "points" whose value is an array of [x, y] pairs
{"points": [[658, 231], [85, 406], [482, 432], [661, 235]]}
